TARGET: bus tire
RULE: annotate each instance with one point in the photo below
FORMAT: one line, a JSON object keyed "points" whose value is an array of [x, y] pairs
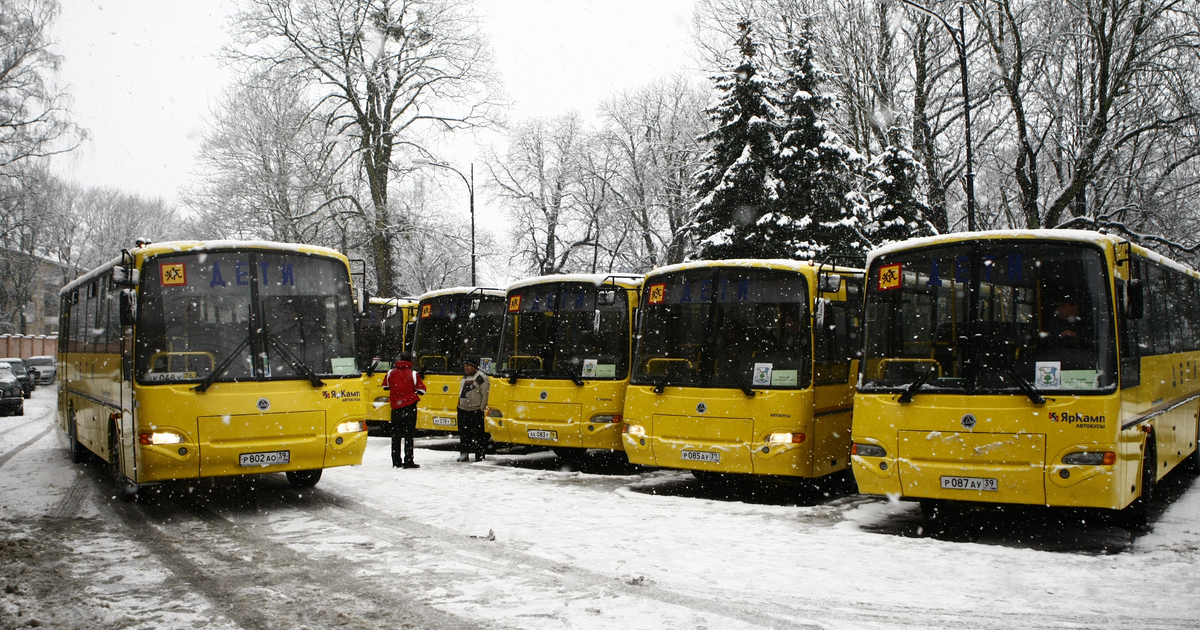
{"points": [[1136, 516], [75, 450], [124, 489], [303, 478]]}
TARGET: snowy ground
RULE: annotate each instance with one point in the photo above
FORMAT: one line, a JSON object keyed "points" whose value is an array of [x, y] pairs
{"points": [[515, 542]]}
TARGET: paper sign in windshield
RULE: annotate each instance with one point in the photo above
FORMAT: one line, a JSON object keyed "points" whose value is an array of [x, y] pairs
{"points": [[1047, 375], [762, 374]]}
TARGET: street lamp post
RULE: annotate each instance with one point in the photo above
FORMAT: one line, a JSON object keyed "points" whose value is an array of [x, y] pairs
{"points": [[470, 182], [958, 35]]}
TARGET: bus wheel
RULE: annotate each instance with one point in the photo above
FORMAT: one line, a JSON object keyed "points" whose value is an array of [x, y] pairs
{"points": [[1136, 516], [303, 478], [74, 449], [125, 489]]}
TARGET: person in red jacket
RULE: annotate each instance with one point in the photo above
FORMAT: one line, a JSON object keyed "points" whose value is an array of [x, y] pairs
{"points": [[405, 388]]}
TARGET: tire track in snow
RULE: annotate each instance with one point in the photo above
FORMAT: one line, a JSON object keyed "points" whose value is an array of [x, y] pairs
{"points": [[260, 583], [10, 454], [512, 564], [69, 505]]}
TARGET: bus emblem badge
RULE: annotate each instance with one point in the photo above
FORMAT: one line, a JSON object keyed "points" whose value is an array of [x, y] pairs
{"points": [[968, 421], [445, 388], [543, 395], [701, 408], [263, 404]]}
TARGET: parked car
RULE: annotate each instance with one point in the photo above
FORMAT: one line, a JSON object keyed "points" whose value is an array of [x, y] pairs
{"points": [[27, 380], [12, 402], [46, 368]]}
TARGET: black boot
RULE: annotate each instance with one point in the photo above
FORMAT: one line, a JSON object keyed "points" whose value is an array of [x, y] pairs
{"points": [[408, 453]]}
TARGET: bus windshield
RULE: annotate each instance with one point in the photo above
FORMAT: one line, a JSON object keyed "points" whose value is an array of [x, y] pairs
{"points": [[453, 327], [991, 316], [566, 330], [733, 327], [200, 311]]}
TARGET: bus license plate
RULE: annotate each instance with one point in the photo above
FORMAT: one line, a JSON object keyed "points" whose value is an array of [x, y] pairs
{"points": [[444, 422], [971, 483], [700, 456], [537, 434], [265, 459]]}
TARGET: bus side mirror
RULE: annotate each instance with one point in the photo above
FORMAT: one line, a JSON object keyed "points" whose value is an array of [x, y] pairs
{"points": [[125, 277], [820, 315], [829, 283], [128, 307], [1135, 300]]}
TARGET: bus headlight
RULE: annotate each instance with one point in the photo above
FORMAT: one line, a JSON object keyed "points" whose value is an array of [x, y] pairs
{"points": [[608, 419], [354, 426], [159, 437], [786, 438], [867, 450], [636, 430], [1091, 458]]}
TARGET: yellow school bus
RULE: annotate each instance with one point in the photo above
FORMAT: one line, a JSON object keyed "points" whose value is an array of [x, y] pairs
{"points": [[744, 366], [453, 324], [1045, 367], [564, 363], [387, 330], [190, 359]]}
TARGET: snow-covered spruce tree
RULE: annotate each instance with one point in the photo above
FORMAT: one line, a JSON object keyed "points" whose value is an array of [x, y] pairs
{"points": [[818, 216], [896, 214], [739, 182]]}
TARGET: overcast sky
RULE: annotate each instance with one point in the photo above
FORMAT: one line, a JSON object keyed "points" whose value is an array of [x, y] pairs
{"points": [[143, 74]]}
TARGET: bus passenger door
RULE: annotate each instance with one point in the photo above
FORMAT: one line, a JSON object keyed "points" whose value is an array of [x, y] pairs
{"points": [[836, 321], [127, 424]]}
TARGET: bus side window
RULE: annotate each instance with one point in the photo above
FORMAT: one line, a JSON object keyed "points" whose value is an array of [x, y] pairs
{"points": [[1127, 336], [1145, 325]]}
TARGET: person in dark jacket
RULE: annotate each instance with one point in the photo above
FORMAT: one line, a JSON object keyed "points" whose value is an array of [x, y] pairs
{"points": [[472, 400], [405, 388]]}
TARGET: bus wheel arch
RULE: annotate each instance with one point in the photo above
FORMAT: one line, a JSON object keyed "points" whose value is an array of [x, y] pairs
{"points": [[125, 489], [75, 450], [1136, 516], [1191, 463]]}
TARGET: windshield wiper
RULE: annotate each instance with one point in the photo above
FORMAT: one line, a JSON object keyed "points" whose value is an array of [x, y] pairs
{"points": [[731, 367], [575, 378], [296, 363], [908, 394], [1024, 385], [513, 375], [220, 369], [666, 377]]}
